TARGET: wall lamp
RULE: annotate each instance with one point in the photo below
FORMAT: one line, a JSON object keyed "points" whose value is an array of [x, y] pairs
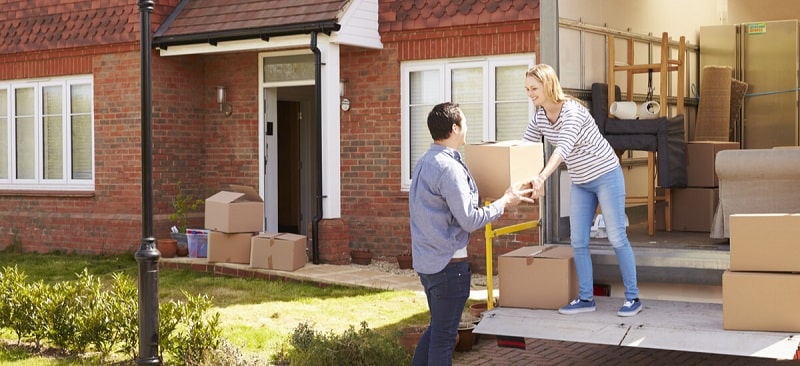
{"points": [[224, 106], [345, 101]]}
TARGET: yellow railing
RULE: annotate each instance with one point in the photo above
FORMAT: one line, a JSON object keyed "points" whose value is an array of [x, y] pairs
{"points": [[493, 233]]}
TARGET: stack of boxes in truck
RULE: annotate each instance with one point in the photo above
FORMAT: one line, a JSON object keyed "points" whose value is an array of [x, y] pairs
{"points": [[761, 289], [235, 220], [693, 206]]}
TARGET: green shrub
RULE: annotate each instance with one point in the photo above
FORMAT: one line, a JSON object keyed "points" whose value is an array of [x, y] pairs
{"points": [[87, 315], [361, 347]]}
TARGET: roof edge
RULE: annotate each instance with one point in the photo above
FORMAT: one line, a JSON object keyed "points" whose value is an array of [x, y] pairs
{"points": [[213, 38]]}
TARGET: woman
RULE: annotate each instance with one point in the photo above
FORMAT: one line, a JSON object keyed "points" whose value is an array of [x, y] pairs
{"points": [[596, 179]]}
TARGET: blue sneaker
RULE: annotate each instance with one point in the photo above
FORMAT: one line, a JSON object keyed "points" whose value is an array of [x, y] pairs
{"points": [[630, 307], [578, 306]]}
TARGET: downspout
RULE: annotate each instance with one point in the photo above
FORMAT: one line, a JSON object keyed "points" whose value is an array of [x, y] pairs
{"points": [[318, 106]]}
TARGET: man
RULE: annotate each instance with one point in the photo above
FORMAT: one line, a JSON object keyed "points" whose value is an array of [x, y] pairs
{"points": [[444, 207]]}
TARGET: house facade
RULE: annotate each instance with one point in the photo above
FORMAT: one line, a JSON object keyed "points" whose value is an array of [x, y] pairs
{"points": [[323, 114]]}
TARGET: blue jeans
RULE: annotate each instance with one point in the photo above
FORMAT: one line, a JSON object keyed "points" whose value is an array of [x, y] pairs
{"points": [[447, 292], [609, 191]]}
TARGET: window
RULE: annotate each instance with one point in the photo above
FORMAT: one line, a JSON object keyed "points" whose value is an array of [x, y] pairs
{"points": [[46, 135], [491, 93]]}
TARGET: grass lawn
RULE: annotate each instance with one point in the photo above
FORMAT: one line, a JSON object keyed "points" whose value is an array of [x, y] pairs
{"points": [[255, 315]]}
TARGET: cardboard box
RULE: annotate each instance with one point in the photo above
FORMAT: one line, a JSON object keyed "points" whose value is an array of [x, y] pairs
{"points": [[237, 210], [700, 159], [537, 277], [693, 208], [760, 301], [281, 251], [496, 165], [765, 242], [229, 247]]}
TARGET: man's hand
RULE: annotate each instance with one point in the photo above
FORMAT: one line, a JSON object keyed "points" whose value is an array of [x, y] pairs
{"points": [[518, 192]]}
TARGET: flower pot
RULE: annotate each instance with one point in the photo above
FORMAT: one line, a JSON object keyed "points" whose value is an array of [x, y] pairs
{"points": [[404, 261], [409, 337], [167, 247], [465, 337], [182, 251], [362, 257], [477, 309]]}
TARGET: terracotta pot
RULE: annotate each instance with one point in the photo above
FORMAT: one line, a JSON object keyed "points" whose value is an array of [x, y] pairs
{"points": [[182, 251], [405, 261], [362, 257], [409, 337], [465, 337], [477, 309], [167, 247]]}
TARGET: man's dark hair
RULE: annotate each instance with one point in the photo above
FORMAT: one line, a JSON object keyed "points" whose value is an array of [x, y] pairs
{"points": [[441, 120]]}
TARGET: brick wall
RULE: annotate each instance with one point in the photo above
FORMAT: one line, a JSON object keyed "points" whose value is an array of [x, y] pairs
{"points": [[374, 207]]}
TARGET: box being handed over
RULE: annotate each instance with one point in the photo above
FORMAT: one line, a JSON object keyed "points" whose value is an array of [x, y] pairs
{"points": [[496, 165], [537, 277]]}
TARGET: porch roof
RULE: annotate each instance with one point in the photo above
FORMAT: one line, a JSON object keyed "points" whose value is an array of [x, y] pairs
{"points": [[212, 21]]}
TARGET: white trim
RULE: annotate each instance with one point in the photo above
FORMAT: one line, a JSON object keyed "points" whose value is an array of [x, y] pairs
{"points": [[331, 123]]}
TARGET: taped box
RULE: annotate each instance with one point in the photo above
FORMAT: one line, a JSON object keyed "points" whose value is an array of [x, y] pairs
{"points": [[537, 277], [229, 247], [280, 251]]}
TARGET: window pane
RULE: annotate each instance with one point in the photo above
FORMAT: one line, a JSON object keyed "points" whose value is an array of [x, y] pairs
{"points": [[4, 134], [424, 88], [467, 85], [25, 133], [424, 92], [80, 99], [81, 131], [289, 68], [52, 132], [511, 106], [81, 147]]}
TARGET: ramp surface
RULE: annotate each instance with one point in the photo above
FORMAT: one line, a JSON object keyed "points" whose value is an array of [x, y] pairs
{"points": [[668, 325]]}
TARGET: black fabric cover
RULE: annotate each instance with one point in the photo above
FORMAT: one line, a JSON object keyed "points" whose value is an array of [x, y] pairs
{"points": [[663, 135]]}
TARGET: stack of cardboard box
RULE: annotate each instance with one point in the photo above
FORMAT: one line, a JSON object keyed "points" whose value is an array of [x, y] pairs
{"points": [[233, 217], [761, 289], [693, 206]]}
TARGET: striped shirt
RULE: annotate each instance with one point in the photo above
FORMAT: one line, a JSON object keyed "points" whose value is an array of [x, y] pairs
{"points": [[577, 140]]}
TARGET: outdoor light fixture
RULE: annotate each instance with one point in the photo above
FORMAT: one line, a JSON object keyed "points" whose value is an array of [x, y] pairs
{"points": [[224, 106], [345, 101]]}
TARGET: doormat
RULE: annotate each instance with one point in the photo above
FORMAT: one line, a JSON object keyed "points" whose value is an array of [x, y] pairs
{"points": [[511, 342]]}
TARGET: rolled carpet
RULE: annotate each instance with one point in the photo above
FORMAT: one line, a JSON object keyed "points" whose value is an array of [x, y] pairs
{"points": [[714, 109]]}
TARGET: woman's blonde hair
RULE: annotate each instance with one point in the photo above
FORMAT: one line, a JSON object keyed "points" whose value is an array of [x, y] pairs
{"points": [[547, 76]]}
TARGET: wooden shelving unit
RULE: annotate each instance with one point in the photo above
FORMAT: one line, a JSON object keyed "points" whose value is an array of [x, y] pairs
{"points": [[663, 68]]}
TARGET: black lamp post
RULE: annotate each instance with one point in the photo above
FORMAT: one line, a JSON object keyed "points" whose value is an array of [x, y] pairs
{"points": [[148, 255]]}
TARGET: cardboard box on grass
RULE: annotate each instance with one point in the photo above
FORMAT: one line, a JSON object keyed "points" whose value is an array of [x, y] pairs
{"points": [[765, 242], [237, 210], [496, 165], [229, 247], [760, 301], [280, 251], [537, 277]]}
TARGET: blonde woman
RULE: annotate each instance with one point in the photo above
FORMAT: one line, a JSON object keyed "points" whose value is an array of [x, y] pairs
{"points": [[596, 179]]}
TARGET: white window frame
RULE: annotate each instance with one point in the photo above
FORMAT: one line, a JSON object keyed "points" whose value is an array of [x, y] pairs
{"points": [[38, 182], [445, 67]]}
